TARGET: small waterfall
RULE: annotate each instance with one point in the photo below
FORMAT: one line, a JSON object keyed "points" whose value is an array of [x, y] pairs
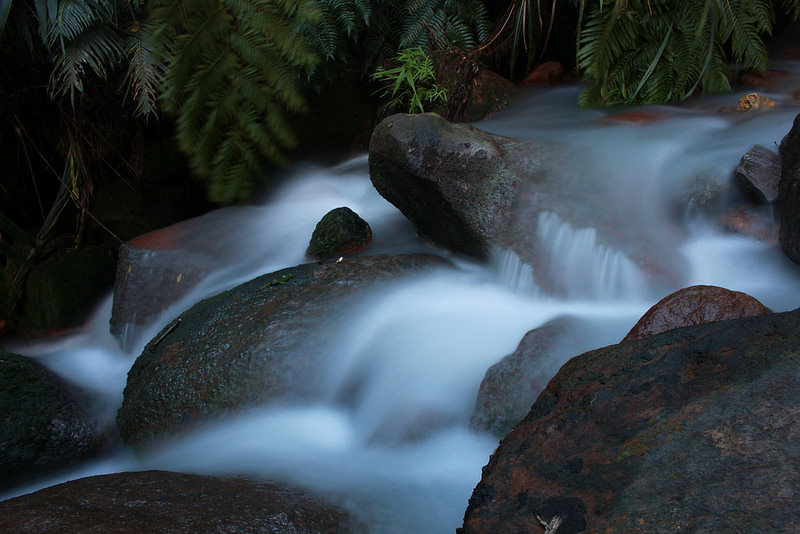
{"points": [[514, 273], [580, 267]]}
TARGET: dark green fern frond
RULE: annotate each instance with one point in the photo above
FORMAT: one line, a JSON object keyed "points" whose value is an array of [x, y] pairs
{"points": [[145, 71], [234, 76], [99, 49], [640, 52], [444, 23]]}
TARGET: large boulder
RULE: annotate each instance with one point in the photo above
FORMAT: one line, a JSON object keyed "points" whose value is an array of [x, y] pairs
{"points": [[472, 192], [692, 306], [694, 429], [248, 345], [789, 193], [161, 501], [45, 425]]}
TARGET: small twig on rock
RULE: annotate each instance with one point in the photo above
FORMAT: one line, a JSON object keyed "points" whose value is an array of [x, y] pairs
{"points": [[552, 526]]}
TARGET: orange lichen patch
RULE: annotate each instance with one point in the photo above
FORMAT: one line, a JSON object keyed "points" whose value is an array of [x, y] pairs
{"points": [[753, 102], [168, 238], [631, 116]]}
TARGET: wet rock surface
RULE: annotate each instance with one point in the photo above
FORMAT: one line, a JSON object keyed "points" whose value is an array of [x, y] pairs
{"points": [[157, 269], [340, 232], [692, 306], [759, 173], [789, 193], [257, 342], [160, 501], [694, 429], [44, 426], [510, 386]]}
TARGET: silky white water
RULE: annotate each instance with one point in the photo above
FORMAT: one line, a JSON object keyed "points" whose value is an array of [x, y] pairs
{"points": [[387, 435]]}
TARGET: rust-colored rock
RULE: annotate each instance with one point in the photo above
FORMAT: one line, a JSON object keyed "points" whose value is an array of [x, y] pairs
{"points": [[692, 306], [160, 501], [691, 430], [548, 73]]}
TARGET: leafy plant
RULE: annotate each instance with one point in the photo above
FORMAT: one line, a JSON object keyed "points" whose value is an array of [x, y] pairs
{"points": [[643, 51], [411, 83], [234, 78]]}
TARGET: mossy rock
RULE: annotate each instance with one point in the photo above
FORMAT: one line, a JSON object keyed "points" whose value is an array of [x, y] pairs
{"points": [[44, 425], [340, 232]]}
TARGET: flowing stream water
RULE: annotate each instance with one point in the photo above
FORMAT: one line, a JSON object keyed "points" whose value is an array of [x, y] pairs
{"points": [[422, 346]]}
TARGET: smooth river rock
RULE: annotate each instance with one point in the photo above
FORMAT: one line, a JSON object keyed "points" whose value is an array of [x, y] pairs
{"points": [[162, 501], [263, 340], [693, 430]]}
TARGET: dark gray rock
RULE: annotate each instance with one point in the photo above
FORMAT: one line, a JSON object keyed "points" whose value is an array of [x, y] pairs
{"points": [[44, 426], [160, 501], [759, 173], [789, 193], [510, 386]]}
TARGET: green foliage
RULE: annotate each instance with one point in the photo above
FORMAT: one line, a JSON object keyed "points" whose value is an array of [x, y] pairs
{"points": [[234, 77], [412, 82], [647, 51], [634, 55]]}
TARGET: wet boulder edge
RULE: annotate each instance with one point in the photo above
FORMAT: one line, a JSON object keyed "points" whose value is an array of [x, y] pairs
{"points": [[692, 429], [263, 340]]}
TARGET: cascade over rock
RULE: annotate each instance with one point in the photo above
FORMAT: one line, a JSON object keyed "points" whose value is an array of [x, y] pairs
{"points": [[257, 342], [692, 306], [472, 191], [157, 269], [694, 429], [161, 501], [44, 425]]}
